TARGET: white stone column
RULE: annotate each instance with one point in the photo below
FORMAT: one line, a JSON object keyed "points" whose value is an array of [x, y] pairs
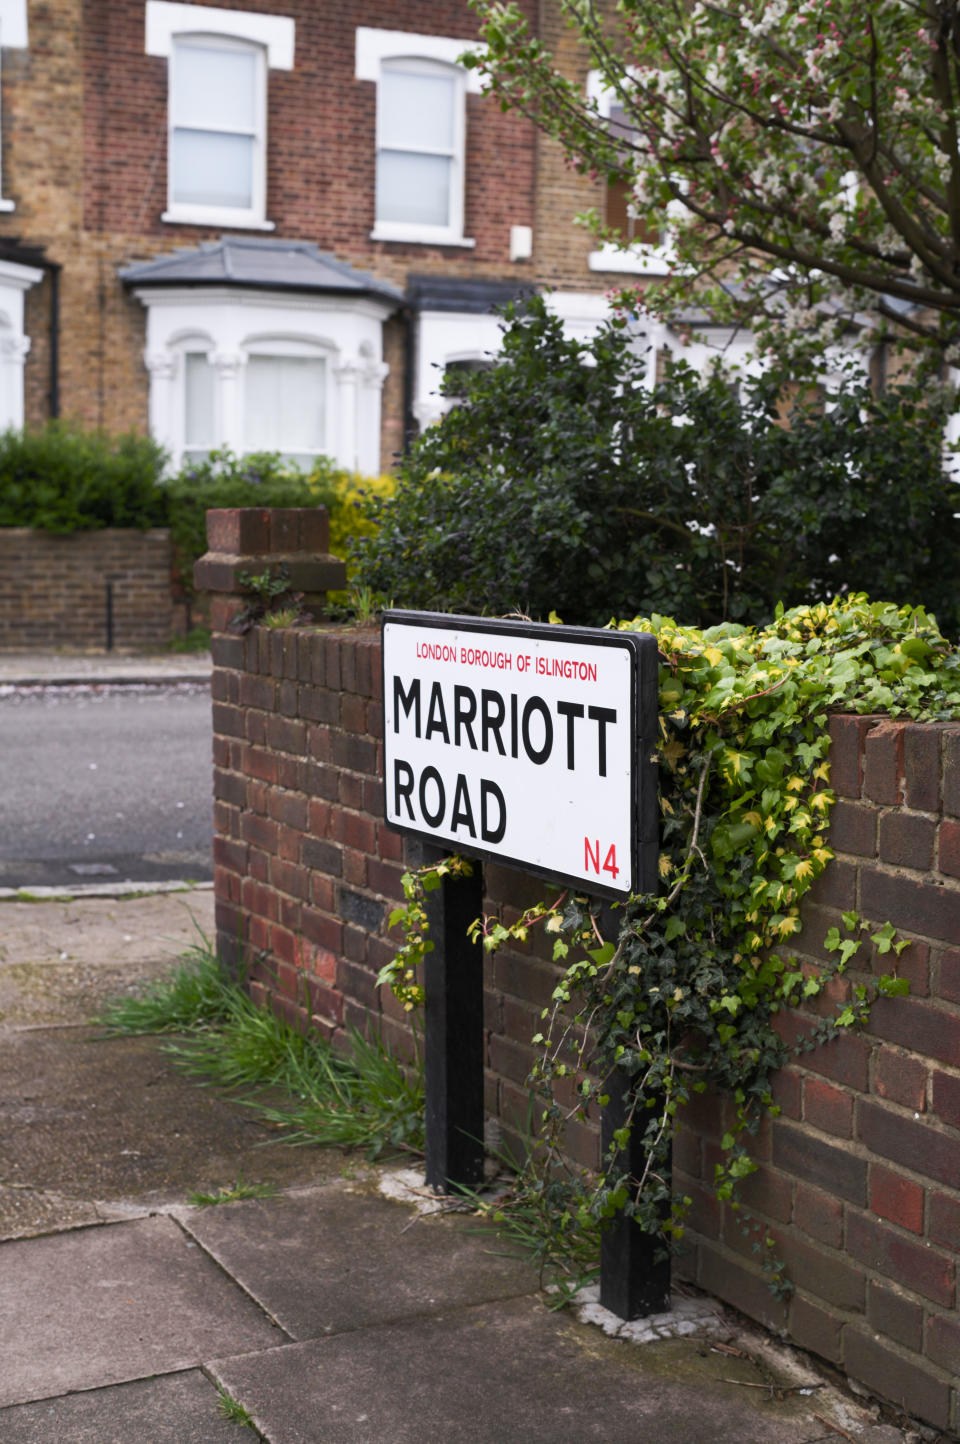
{"points": [[373, 376], [228, 399], [163, 369], [347, 374], [13, 353]]}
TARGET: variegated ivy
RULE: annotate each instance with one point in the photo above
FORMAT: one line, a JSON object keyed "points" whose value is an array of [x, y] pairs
{"points": [[686, 999]]}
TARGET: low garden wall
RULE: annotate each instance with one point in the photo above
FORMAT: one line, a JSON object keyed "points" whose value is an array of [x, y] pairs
{"points": [[859, 1178], [89, 589]]}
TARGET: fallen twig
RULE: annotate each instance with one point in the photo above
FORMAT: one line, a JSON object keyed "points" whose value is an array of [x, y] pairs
{"points": [[835, 1427]]}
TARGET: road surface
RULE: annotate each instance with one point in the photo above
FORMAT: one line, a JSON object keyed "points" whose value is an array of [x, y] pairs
{"points": [[100, 783]]}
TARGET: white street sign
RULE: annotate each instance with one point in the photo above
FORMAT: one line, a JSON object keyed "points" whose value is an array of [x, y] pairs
{"points": [[524, 743]]}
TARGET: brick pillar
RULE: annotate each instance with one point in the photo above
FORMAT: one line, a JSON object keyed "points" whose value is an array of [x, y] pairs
{"points": [[251, 539]]}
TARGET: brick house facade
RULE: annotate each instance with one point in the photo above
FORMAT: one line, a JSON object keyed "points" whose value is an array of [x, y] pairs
{"points": [[136, 134]]}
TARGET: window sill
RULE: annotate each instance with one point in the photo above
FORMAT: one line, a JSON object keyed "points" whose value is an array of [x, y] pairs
{"points": [[419, 235], [644, 261], [7, 205], [201, 216]]}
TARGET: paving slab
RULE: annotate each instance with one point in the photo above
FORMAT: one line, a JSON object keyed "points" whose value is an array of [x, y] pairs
{"points": [[105, 1305], [88, 1122], [175, 1409], [61, 961], [340, 1257], [508, 1372]]}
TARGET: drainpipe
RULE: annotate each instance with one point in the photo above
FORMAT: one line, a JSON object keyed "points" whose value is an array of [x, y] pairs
{"points": [[54, 268], [409, 420]]}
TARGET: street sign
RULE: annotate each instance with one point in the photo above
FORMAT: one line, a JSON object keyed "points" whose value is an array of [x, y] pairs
{"points": [[526, 744]]}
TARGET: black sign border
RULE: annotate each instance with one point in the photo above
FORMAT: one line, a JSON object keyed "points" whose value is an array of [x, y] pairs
{"points": [[644, 714]]}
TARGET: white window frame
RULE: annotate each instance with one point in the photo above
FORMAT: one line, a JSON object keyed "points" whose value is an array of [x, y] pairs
{"points": [[195, 346], [426, 54], [253, 216], [272, 38], [13, 36], [290, 346], [641, 258]]}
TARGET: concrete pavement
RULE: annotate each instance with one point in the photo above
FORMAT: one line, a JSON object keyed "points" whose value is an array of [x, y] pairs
{"points": [[332, 1313], [78, 669]]}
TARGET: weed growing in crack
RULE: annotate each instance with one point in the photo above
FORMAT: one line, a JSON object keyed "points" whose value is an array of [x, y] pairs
{"points": [[239, 1191]]}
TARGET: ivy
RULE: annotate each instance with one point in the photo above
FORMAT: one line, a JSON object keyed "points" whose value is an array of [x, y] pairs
{"points": [[688, 996], [402, 972]]}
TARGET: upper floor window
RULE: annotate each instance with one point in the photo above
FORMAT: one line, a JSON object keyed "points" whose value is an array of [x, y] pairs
{"points": [[13, 36], [618, 213], [420, 125], [421, 134], [217, 108], [649, 249], [217, 124]]}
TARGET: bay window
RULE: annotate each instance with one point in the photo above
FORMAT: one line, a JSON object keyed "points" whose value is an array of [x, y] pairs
{"points": [[285, 405]]}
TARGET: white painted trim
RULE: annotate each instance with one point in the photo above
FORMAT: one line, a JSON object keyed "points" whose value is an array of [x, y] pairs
{"points": [[420, 235], [13, 24], [15, 279], [375, 46], [23, 277], [5, 205], [250, 297], [211, 216], [639, 260], [580, 307], [166, 19]]}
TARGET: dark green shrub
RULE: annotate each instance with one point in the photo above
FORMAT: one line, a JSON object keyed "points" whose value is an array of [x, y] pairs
{"points": [[221, 480], [564, 484], [63, 479]]}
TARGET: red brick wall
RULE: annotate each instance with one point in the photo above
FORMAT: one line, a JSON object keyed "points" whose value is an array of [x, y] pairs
{"points": [[53, 588], [860, 1176]]}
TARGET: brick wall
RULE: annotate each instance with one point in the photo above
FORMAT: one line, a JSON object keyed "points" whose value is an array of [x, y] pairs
{"points": [[53, 589], [860, 1179], [860, 1176]]}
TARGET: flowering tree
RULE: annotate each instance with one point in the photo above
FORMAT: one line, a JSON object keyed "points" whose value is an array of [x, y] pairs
{"points": [[807, 151]]}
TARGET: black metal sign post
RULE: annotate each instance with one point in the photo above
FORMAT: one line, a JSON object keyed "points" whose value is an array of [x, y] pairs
{"points": [[453, 1031], [532, 746], [634, 1267]]}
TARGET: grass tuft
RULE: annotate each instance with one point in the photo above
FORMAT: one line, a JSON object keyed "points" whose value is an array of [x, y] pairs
{"points": [[196, 994], [240, 1190], [231, 1408], [357, 1097]]}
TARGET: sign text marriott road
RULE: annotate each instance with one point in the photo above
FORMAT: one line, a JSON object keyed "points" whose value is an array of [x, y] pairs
{"points": [[527, 744]]}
